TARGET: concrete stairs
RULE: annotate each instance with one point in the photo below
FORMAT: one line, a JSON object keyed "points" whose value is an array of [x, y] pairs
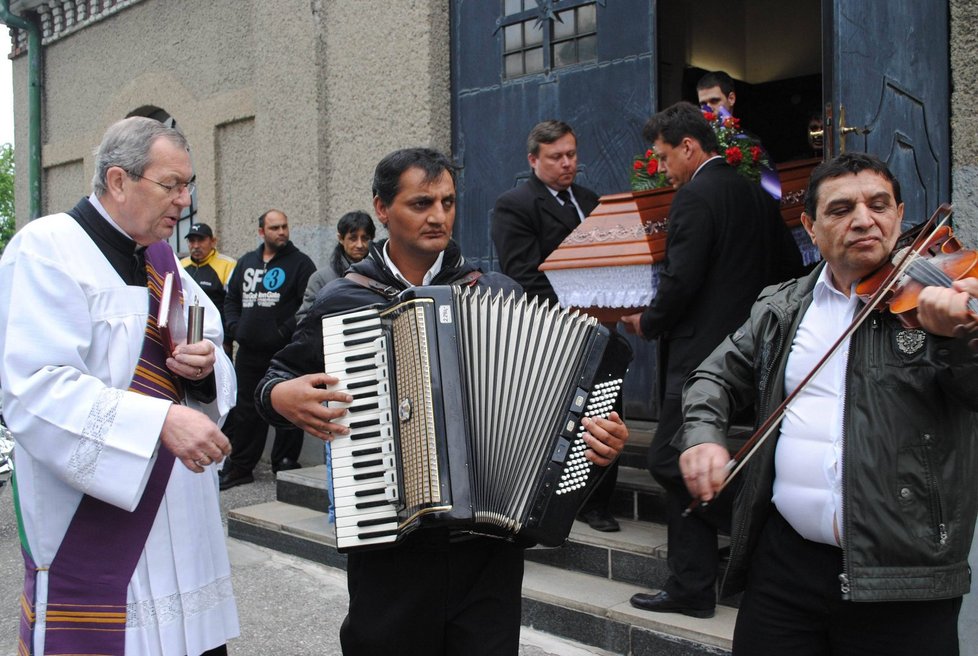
{"points": [[579, 592]]}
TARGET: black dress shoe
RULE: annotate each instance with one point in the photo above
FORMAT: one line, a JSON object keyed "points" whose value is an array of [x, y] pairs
{"points": [[235, 477], [600, 520], [285, 464], [662, 602]]}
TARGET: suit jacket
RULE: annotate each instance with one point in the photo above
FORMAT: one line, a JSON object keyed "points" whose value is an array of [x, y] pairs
{"points": [[726, 241], [528, 223]]}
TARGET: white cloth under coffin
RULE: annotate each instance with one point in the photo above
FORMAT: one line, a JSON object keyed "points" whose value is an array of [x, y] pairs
{"points": [[606, 287]]}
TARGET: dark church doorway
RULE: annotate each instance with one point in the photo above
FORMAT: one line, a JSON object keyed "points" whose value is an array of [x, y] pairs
{"points": [[772, 50]]}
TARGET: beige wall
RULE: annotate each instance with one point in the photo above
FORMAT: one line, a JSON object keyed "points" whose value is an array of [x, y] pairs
{"points": [[964, 120], [393, 94], [964, 196], [273, 97]]}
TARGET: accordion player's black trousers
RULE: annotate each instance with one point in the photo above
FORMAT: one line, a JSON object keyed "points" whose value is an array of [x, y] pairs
{"points": [[434, 597]]}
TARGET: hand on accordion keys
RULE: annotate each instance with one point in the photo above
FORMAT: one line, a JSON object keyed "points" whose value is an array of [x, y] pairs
{"points": [[605, 438], [300, 400]]}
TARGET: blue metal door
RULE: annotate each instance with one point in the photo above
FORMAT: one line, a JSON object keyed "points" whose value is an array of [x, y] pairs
{"points": [[518, 62], [887, 90]]}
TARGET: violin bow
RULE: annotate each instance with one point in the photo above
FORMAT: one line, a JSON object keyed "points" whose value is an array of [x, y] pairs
{"points": [[764, 431]]}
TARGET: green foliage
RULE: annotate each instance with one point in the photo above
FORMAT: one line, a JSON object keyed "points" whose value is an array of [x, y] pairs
{"points": [[7, 222]]}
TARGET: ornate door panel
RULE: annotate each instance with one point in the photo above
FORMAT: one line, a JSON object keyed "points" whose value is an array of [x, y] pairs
{"points": [[518, 62], [887, 89]]}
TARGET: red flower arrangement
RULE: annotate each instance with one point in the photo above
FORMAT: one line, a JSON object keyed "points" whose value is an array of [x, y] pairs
{"points": [[742, 151], [646, 173]]}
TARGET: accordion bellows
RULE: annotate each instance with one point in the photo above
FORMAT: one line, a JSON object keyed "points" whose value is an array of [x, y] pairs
{"points": [[467, 413]]}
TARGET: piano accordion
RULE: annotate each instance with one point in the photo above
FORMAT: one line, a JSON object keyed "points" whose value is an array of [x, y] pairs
{"points": [[466, 413]]}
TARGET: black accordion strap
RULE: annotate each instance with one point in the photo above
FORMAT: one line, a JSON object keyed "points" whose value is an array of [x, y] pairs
{"points": [[468, 279], [389, 291]]}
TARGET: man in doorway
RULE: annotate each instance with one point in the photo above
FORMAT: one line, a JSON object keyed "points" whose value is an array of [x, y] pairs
{"points": [[443, 592], [528, 223], [209, 269], [531, 220], [853, 523], [726, 241], [116, 435], [264, 293], [716, 90]]}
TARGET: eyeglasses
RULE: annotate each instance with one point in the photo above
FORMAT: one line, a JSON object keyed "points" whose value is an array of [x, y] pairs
{"points": [[172, 189]]}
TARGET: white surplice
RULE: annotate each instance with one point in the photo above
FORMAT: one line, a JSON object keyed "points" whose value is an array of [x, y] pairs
{"points": [[71, 332]]}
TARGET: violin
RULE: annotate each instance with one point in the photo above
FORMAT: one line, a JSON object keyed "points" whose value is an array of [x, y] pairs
{"points": [[938, 260]]}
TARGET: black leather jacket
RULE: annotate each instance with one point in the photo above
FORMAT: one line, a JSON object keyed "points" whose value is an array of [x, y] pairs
{"points": [[909, 441]]}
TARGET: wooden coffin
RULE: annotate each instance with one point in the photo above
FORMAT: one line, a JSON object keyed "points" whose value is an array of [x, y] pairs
{"points": [[608, 266]]}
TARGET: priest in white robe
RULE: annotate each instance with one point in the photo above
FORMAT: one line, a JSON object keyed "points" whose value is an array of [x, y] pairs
{"points": [[77, 320]]}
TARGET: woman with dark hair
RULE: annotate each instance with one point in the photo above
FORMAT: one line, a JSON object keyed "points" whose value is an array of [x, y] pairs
{"points": [[354, 232]]}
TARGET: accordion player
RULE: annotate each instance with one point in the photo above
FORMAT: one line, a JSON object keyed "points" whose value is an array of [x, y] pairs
{"points": [[439, 378]]}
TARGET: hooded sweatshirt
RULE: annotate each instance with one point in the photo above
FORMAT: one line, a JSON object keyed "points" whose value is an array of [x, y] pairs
{"points": [[263, 297]]}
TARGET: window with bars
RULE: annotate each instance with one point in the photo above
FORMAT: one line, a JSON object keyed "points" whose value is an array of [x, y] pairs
{"points": [[540, 37]]}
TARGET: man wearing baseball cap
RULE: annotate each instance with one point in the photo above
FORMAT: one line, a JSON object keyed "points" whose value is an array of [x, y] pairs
{"points": [[209, 269]]}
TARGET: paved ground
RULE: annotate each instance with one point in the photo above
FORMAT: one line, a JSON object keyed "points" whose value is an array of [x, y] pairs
{"points": [[288, 606]]}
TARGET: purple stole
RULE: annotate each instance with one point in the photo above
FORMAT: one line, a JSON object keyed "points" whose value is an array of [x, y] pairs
{"points": [[90, 574]]}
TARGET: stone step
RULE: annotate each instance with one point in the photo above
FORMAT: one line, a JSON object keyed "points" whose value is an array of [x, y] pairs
{"points": [[636, 554], [637, 496], [595, 611], [640, 435], [586, 607], [287, 528]]}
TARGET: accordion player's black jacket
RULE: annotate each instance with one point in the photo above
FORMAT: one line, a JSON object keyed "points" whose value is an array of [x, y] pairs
{"points": [[304, 354]]}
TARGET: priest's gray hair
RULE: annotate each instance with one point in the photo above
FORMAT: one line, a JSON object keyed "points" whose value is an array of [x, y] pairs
{"points": [[126, 144]]}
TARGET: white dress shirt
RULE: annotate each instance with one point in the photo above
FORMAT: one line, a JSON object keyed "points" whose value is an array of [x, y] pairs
{"points": [[428, 277], [808, 458]]}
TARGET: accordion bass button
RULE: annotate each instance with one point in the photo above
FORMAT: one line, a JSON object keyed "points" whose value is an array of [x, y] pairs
{"points": [[404, 409]]}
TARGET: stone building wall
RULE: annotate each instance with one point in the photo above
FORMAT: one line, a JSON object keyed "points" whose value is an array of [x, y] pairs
{"points": [[281, 103], [285, 107], [393, 94], [964, 120]]}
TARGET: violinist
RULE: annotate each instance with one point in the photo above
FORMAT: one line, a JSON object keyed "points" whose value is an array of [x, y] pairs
{"points": [[852, 525]]}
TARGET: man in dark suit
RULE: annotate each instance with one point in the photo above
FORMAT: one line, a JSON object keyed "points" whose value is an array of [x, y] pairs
{"points": [[726, 241], [530, 220], [528, 223]]}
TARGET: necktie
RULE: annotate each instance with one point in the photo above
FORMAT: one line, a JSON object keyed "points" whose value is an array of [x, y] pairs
{"points": [[570, 211]]}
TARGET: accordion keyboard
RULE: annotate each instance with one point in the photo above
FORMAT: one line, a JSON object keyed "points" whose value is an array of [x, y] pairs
{"points": [[363, 497]]}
